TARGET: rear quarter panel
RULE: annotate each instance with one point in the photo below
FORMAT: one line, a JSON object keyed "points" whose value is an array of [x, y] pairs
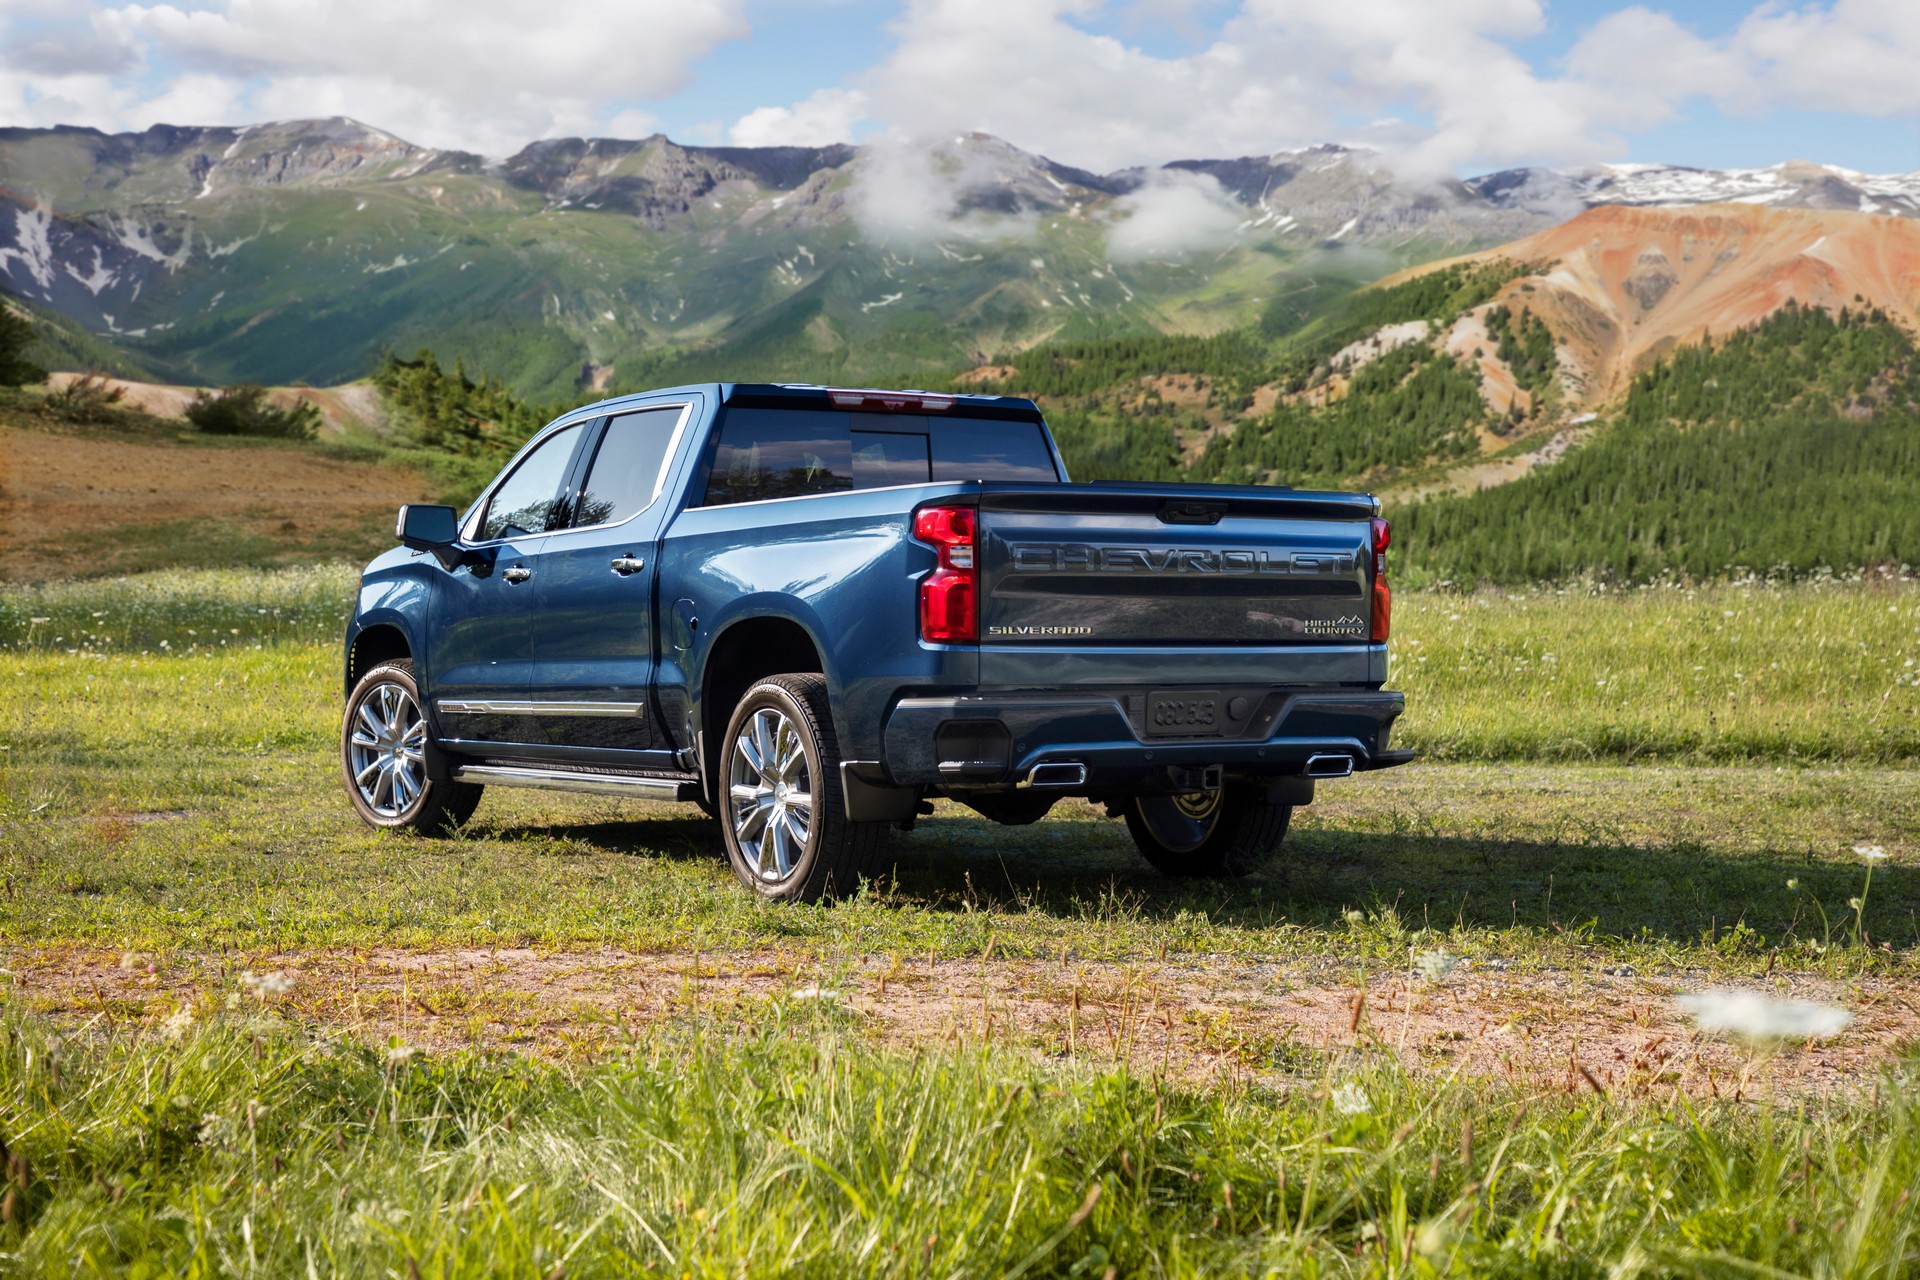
{"points": [[842, 567]]}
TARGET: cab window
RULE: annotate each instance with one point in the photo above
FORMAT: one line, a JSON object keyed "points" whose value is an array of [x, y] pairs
{"points": [[627, 468], [529, 501]]}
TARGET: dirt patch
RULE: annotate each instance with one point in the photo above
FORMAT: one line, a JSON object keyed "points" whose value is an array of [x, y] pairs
{"points": [[1489, 473], [1201, 1020], [1356, 355], [342, 409], [986, 373], [69, 501]]}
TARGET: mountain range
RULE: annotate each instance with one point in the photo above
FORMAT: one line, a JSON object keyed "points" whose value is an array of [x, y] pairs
{"points": [[299, 250]]}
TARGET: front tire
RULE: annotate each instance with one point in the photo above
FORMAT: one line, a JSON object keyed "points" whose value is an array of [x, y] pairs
{"points": [[781, 812], [383, 741], [1220, 834]]}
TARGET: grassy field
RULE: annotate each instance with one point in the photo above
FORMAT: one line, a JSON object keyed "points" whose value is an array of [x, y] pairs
{"points": [[565, 1039], [251, 1148]]}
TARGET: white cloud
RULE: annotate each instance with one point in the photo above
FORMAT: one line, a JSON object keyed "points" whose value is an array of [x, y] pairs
{"points": [[1021, 69], [822, 118], [1173, 215], [921, 190], [1857, 56], [1440, 86], [487, 75], [1282, 73]]}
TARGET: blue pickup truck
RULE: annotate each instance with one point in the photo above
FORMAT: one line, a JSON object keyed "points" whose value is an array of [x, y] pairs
{"points": [[809, 610]]}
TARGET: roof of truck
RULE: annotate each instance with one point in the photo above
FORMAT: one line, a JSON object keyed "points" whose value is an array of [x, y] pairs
{"points": [[807, 395]]}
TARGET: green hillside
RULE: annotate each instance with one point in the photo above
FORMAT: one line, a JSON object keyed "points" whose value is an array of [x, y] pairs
{"points": [[61, 344], [1787, 447]]}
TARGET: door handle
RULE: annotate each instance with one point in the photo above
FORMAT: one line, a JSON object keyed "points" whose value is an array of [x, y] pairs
{"points": [[519, 573], [628, 564]]}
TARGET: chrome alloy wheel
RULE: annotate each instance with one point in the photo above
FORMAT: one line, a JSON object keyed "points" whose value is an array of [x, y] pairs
{"points": [[770, 794], [385, 750]]}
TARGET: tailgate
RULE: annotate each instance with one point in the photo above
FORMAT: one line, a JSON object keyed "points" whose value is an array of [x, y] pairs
{"points": [[1173, 566]]}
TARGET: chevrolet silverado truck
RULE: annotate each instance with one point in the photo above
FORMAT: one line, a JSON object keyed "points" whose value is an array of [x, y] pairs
{"points": [[810, 610]]}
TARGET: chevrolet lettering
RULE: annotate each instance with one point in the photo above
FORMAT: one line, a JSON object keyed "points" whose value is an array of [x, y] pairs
{"points": [[810, 610], [1038, 557]]}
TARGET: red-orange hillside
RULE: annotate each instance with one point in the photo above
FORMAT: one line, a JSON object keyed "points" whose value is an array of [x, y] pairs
{"points": [[1621, 285]]}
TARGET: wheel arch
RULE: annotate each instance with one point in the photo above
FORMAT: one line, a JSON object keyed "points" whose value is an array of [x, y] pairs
{"points": [[741, 654], [373, 644]]}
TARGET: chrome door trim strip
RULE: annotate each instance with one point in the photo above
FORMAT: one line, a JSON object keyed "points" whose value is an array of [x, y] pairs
{"points": [[495, 707], [559, 780]]}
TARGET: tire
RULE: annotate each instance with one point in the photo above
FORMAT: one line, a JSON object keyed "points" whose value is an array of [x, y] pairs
{"points": [[1227, 833], [782, 815], [382, 740]]}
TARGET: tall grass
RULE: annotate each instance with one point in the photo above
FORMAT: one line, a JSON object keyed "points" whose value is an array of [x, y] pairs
{"points": [[1809, 672], [248, 1148], [180, 610], [1821, 671]]}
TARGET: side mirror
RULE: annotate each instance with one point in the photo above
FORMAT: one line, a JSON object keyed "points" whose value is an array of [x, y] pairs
{"points": [[429, 528]]}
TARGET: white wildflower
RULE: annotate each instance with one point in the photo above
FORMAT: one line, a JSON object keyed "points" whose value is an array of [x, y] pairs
{"points": [[175, 1024], [398, 1053], [261, 986], [1871, 852], [1793, 882], [1351, 1100], [816, 993], [1435, 965], [1758, 1017]]}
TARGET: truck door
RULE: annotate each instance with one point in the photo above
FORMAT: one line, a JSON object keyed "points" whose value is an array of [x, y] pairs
{"points": [[593, 630], [481, 655]]}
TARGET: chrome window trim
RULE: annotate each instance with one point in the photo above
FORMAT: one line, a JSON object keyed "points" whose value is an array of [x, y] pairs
{"points": [[829, 493], [666, 462], [470, 526]]}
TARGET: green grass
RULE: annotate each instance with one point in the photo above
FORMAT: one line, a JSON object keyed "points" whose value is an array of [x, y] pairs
{"points": [[182, 609], [1764, 673], [169, 786], [254, 1147], [187, 797]]}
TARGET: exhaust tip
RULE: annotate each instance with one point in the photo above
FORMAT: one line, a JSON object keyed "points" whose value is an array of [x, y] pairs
{"points": [[1329, 766], [1064, 773]]}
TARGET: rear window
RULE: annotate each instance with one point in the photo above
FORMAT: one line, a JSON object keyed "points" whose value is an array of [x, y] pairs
{"points": [[788, 453]]}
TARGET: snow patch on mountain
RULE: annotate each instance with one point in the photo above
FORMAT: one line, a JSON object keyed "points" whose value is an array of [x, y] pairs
{"points": [[138, 237], [31, 247]]}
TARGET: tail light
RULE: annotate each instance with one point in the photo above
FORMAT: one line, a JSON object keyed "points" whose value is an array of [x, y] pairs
{"points": [[950, 595], [1382, 596]]}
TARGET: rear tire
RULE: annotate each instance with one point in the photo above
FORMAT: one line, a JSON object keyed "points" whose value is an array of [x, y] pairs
{"points": [[781, 812], [382, 757], [1228, 833]]}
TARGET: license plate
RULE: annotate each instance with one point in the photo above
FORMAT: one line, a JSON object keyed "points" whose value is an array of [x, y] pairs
{"points": [[1184, 715]]}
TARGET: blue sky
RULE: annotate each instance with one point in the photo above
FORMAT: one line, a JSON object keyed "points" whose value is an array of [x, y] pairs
{"points": [[1447, 85]]}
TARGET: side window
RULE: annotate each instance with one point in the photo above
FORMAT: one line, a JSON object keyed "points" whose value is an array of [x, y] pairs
{"points": [[990, 449], [882, 458], [529, 501], [779, 453], [627, 468]]}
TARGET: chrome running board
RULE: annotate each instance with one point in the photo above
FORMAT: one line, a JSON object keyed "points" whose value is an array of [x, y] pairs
{"points": [[605, 784]]}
